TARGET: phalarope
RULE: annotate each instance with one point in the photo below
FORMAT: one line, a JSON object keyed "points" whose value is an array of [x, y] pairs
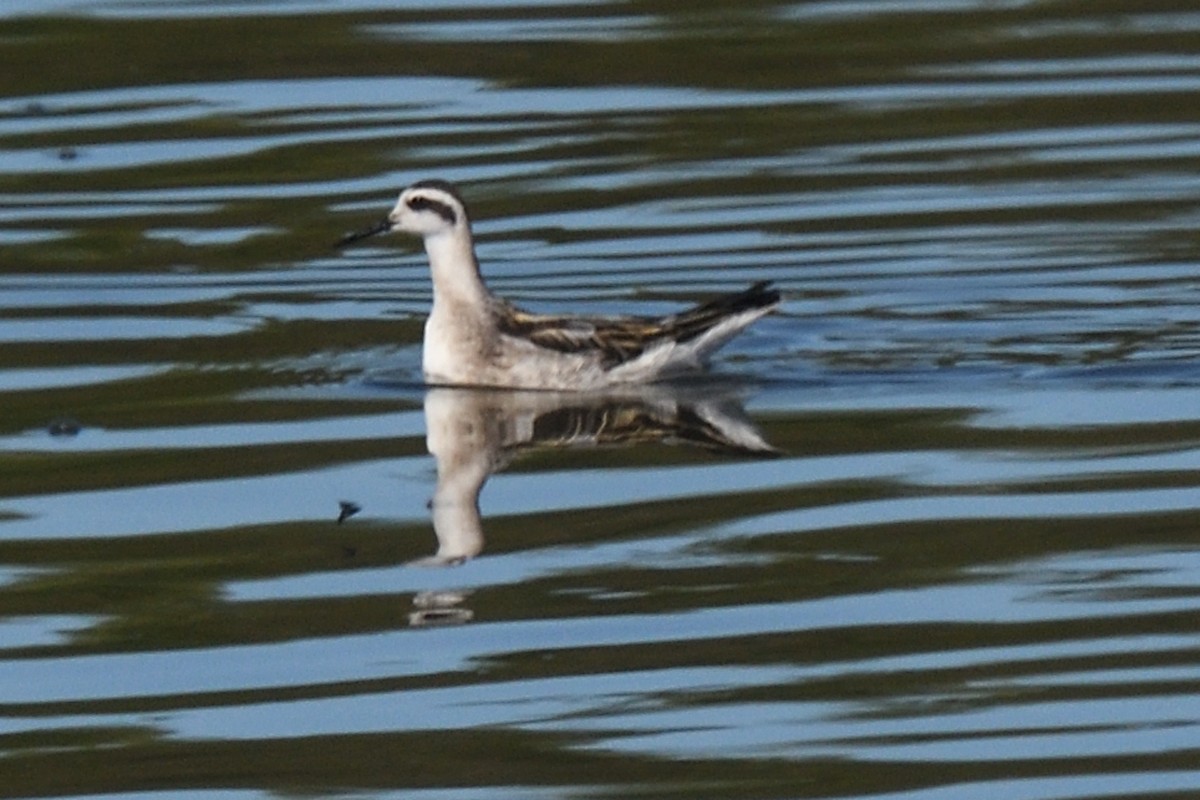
{"points": [[474, 338]]}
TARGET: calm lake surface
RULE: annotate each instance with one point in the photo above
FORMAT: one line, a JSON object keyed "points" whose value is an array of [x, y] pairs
{"points": [[972, 570]]}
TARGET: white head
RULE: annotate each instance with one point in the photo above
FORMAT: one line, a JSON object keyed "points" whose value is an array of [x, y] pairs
{"points": [[427, 208]]}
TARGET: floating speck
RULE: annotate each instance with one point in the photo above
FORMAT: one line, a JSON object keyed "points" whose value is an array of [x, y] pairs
{"points": [[348, 510], [64, 426]]}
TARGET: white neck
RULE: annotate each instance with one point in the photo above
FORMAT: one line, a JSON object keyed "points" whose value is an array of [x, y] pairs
{"points": [[455, 271]]}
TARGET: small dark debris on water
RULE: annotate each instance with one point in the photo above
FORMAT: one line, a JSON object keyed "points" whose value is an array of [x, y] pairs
{"points": [[67, 154], [64, 426], [348, 510]]}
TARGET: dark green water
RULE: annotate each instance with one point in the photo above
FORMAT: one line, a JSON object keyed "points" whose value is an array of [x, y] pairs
{"points": [[973, 572]]}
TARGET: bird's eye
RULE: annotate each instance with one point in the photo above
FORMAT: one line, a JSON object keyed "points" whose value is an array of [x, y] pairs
{"points": [[421, 203]]}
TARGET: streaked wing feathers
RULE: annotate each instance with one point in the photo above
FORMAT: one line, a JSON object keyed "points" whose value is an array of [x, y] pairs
{"points": [[616, 339], [621, 339]]}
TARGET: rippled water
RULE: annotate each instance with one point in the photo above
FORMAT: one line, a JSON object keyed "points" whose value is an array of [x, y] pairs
{"points": [[971, 571]]}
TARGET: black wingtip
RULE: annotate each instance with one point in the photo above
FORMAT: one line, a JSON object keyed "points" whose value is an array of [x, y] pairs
{"points": [[760, 295], [764, 291]]}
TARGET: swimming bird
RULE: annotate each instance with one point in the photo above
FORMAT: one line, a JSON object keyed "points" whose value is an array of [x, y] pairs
{"points": [[474, 338]]}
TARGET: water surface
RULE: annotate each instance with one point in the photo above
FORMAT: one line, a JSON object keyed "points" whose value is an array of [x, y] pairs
{"points": [[971, 571]]}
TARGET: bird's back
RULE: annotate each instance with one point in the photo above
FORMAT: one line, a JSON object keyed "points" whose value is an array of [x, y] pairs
{"points": [[597, 351]]}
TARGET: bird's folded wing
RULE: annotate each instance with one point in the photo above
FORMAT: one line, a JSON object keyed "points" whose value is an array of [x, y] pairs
{"points": [[617, 340], [614, 339]]}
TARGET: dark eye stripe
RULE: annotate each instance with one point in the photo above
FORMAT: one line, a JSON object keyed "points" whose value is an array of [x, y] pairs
{"points": [[421, 203]]}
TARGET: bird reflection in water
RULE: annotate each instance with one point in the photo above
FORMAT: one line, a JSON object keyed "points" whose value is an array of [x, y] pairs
{"points": [[472, 433]]}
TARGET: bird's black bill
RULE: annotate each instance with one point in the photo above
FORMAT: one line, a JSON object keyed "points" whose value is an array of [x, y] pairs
{"points": [[383, 226]]}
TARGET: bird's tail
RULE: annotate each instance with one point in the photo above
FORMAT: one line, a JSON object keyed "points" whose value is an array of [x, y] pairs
{"points": [[749, 304]]}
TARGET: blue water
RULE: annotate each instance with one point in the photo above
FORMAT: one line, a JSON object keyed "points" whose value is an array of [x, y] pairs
{"points": [[970, 571]]}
